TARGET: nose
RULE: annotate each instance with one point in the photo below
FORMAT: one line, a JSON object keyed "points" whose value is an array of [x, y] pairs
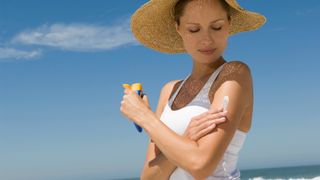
{"points": [[207, 38]]}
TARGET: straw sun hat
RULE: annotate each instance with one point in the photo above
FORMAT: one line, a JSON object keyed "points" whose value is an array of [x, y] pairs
{"points": [[154, 26]]}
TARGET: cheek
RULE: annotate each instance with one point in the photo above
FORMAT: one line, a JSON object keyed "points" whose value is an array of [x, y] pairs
{"points": [[222, 40], [190, 42], [221, 43], [220, 37]]}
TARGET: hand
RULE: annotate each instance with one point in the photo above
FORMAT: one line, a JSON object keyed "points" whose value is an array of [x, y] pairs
{"points": [[132, 106], [201, 125], [204, 123]]}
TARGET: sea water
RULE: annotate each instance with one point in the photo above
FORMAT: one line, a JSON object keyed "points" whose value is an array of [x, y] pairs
{"points": [[283, 173]]}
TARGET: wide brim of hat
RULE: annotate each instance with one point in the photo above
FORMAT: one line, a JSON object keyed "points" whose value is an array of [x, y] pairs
{"points": [[153, 24]]}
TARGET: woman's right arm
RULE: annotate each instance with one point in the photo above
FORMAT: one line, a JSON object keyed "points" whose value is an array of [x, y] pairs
{"points": [[156, 165]]}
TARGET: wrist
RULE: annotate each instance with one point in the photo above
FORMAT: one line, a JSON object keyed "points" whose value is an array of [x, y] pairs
{"points": [[149, 121]]}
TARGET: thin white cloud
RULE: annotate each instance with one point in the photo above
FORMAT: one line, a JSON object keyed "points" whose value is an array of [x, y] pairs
{"points": [[9, 54], [78, 37]]}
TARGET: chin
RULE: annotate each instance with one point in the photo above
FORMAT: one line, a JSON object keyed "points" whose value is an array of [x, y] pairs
{"points": [[208, 58]]}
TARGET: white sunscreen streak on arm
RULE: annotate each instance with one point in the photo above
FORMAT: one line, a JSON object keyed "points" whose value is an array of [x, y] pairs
{"points": [[225, 103]]}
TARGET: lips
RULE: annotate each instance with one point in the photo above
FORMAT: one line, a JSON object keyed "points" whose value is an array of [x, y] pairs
{"points": [[207, 50]]}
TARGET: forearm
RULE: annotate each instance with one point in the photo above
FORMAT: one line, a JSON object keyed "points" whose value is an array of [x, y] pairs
{"points": [[179, 150], [158, 168]]}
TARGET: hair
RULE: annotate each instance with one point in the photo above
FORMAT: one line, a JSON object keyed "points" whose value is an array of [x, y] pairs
{"points": [[181, 4]]}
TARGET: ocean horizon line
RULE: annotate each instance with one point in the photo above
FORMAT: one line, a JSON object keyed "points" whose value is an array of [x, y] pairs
{"points": [[273, 173]]}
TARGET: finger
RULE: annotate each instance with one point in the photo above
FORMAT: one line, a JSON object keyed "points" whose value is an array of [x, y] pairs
{"points": [[128, 91], [219, 120], [192, 133], [207, 123], [218, 115], [204, 125], [209, 117], [205, 117], [145, 99], [198, 122], [204, 132]]}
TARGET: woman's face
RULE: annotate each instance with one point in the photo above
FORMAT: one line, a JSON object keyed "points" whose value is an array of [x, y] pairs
{"points": [[204, 28]]}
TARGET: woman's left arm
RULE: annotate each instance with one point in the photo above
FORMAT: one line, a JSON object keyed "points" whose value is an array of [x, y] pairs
{"points": [[199, 158]]}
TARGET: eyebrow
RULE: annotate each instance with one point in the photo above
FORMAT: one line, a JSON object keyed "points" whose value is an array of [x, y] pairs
{"points": [[210, 22]]}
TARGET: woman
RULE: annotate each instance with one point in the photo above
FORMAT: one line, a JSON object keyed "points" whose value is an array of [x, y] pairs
{"points": [[189, 140]]}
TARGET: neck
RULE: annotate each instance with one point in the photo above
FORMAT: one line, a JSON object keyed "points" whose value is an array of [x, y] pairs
{"points": [[203, 71]]}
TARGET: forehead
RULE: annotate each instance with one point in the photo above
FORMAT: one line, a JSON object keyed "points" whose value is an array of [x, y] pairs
{"points": [[200, 9]]}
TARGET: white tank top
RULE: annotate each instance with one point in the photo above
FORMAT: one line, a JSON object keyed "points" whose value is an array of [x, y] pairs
{"points": [[178, 120]]}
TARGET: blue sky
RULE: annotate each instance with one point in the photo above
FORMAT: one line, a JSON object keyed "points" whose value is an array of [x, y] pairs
{"points": [[62, 64]]}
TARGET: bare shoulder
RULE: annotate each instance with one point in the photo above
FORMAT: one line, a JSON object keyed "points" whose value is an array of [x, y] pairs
{"points": [[235, 68], [236, 72], [166, 92], [169, 88]]}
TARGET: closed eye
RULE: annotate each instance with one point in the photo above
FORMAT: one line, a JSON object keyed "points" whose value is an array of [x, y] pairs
{"points": [[217, 29], [194, 31]]}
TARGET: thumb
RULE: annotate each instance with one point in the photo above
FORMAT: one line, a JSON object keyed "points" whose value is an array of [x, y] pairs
{"points": [[146, 99]]}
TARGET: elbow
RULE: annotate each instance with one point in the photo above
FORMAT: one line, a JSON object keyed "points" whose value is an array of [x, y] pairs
{"points": [[200, 170], [144, 176], [149, 174]]}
